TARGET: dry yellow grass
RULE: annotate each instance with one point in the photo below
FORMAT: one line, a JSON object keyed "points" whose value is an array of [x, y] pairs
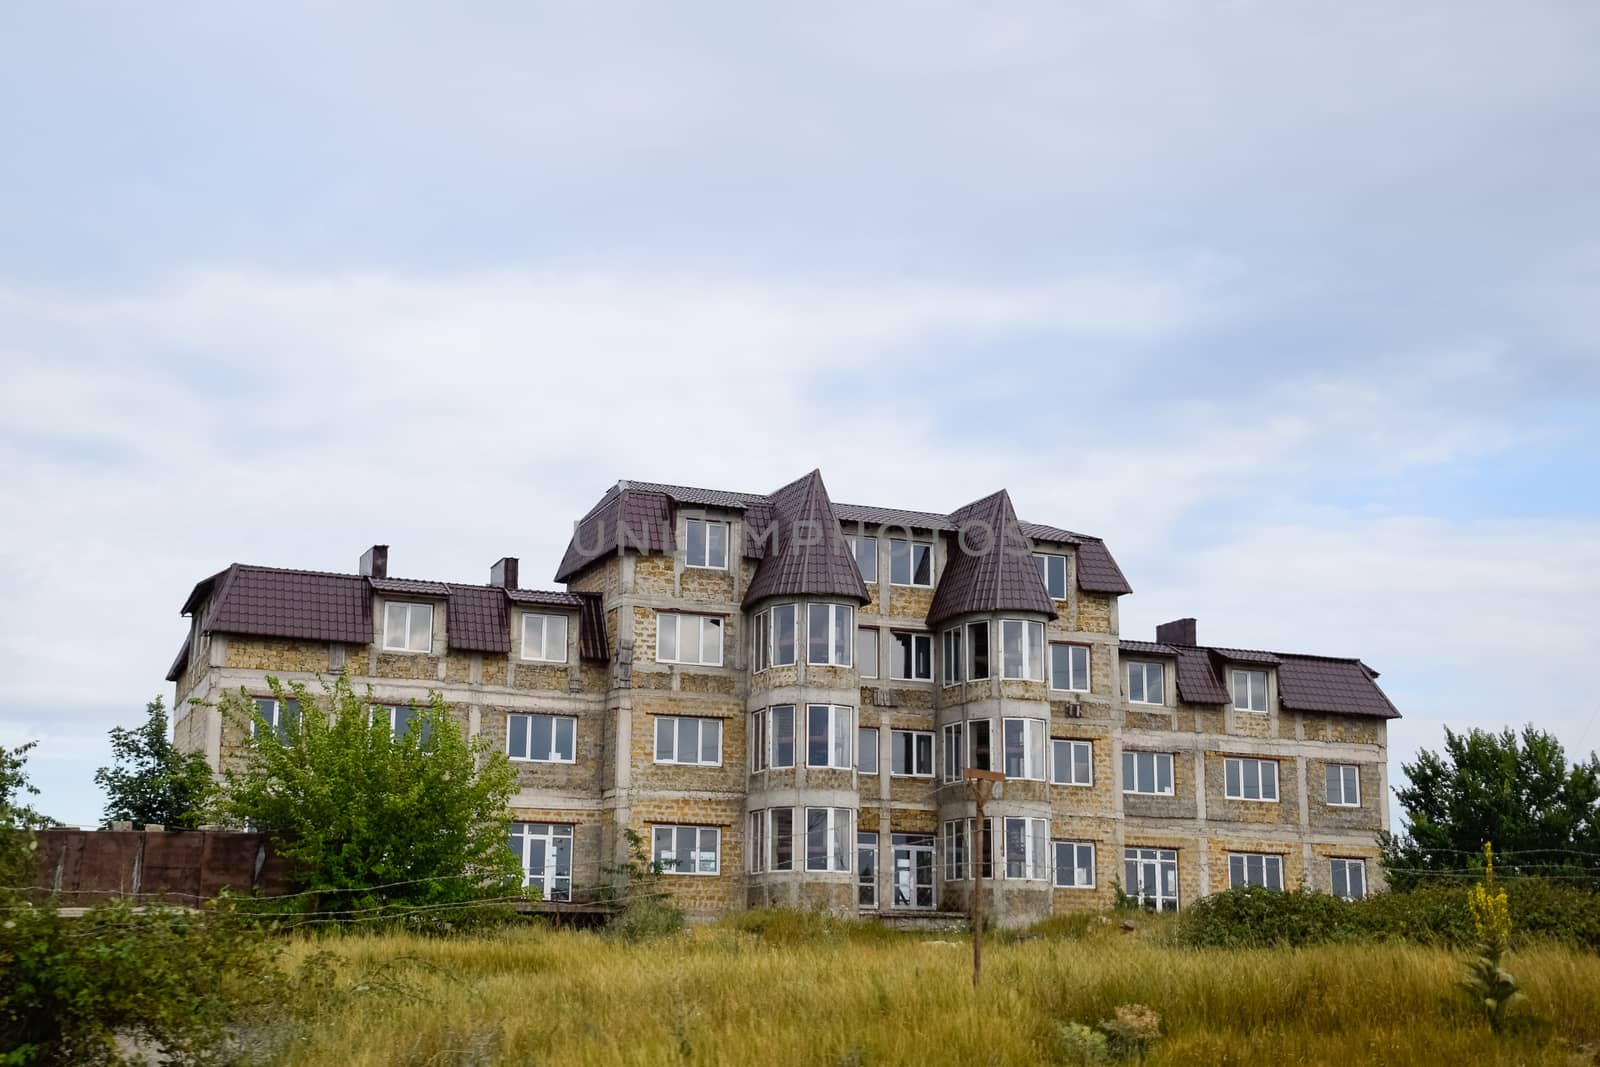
{"points": [[718, 996]]}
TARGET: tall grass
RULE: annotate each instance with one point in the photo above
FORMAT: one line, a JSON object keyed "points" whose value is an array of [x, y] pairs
{"points": [[752, 992]]}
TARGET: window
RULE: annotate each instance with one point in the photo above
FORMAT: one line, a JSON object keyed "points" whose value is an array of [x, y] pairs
{"points": [[830, 633], [407, 627], [761, 641], [1021, 649], [756, 852], [866, 870], [781, 833], [913, 870], [867, 652], [1053, 573], [865, 550], [544, 637], [282, 716], [773, 637], [689, 639], [1250, 779], [1350, 879], [1144, 683], [1024, 748], [1069, 668], [867, 750], [827, 837], [1151, 877], [955, 850], [955, 758], [980, 752], [1072, 762], [828, 736], [912, 754], [1250, 690], [780, 721], [912, 657], [951, 657], [910, 562], [1344, 785], [1147, 772], [977, 651], [697, 742], [686, 849], [542, 738], [400, 718], [545, 852], [1254, 868], [1074, 864], [1026, 855], [708, 544], [984, 849], [758, 741]]}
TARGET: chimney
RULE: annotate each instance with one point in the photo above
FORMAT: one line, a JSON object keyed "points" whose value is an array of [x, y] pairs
{"points": [[504, 573], [1176, 632], [375, 562]]}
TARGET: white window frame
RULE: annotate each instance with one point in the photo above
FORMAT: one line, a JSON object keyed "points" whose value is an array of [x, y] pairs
{"points": [[1073, 679], [1160, 862], [1240, 769], [1036, 858], [912, 544], [701, 722], [688, 544], [1240, 873], [1034, 734], [897, 656], [391, 712], [1032, 650], [764, 640], [551, 882], [1130, 782], [1077, 851], [855, 542], [271, 709], [1043, 561], [757, 736], [841, 729], [544, 619], [912, 846], [1349, 777], [867, 872], [1146, 668], [867, 666], [677, 621], [1072, 747], [955, 850], [950, 663], [840, 623], [971, 651], [1346, 865], [408, 607], [972, 743], [697, 854], [1254, 690], [916, 739], [954, 757], [773, 734], [527, 737], [755, 859], [866, 738], [774, 837], [837, 840]]}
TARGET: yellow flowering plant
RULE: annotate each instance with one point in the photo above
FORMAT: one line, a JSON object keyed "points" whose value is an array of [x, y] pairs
{"points": [[1491, 985]]}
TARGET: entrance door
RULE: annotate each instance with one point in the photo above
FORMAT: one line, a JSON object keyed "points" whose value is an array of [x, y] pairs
{"points": [[1151, 875], [546, 853], [913, 870]]}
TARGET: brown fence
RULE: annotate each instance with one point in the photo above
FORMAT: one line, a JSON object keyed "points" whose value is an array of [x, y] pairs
{"points": [[81, 867]]}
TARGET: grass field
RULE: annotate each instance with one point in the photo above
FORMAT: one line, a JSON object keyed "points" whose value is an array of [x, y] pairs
{"points": [[721, 995]]}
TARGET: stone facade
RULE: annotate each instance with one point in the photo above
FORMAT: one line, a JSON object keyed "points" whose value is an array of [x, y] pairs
{"points": [[886, 838]]}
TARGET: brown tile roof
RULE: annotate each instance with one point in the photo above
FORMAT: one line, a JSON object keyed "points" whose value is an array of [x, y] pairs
{"points": [[640, 517], [868, 515], [1098, 572], [477, 619], [175, 671], [991, 565], [809, 556], [1305, 683]]}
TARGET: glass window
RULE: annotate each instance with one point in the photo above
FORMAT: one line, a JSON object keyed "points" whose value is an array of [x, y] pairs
{"points": [[867, 652], [1074, 864], [982, 757], [827, 839], [708, 544], [911, 658], [1053, 573], [1069, 668], [866, 870], [756, 854], [867, 750], [950, 656], [400, 718], [830, 634], [686, 849], [758, 741], [1147, 772], [1022, 649], [1072, 762], [912, 870], [955, 850], [977, 651], [1344, 785], [1250, 779], [545, 852], [912, 754], [689, 639], [782, 835], [1024, 748], [982, 849], [781, 723], [282, 716], [1151, 877], [1250, 690], [695, 741], [761, 641], [865, 550], [1350, 879], [1026, 855], [407, 627], [828, 729], [544, 637], [1145, 683], [542, 738], [1254, 869], [783, 638], [955, 756], [910, 562]]}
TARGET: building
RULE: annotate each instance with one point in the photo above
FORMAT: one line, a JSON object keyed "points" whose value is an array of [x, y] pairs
{"points": [[780, 693]]}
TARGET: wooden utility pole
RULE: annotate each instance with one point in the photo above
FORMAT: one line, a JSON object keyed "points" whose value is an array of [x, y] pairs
{"points": [[982, 784]]}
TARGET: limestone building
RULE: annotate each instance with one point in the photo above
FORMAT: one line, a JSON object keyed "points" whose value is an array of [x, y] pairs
{"points": [[779, 694]]}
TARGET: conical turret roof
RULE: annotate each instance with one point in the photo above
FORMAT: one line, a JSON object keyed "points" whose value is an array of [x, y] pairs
{"points": [[808, 555], [991, 564]]}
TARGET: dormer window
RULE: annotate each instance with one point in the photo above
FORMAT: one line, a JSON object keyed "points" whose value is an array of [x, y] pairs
{"points": [[1053, 572], [910, 562], [407, 627], [544, 637], [1146, 683], [1250, 690], [707, 544]]}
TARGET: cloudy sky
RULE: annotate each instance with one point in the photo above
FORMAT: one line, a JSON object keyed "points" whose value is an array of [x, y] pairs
{"points": [[1297, 306]]}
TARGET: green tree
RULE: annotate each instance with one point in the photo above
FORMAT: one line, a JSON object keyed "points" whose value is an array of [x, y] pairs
{"points": [[371, 819], [1516, 790], [151, 781], [18, 819]]}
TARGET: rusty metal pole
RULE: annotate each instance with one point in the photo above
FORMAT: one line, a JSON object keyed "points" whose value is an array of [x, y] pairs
{"points": [[983, 783]]}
